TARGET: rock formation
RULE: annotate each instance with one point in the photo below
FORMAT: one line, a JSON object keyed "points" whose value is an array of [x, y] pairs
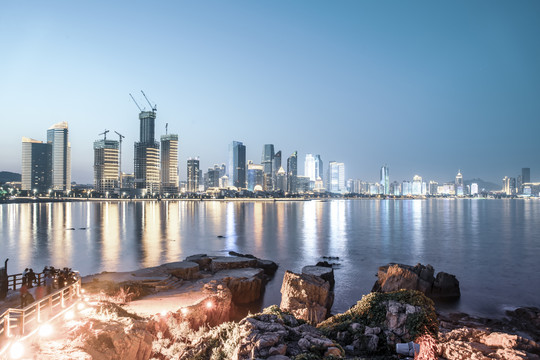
{"points": [[393, 277], [306, 296], [381, 320]]}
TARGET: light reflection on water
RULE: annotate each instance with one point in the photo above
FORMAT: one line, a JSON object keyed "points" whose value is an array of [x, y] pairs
{"points": [[492, 246]]}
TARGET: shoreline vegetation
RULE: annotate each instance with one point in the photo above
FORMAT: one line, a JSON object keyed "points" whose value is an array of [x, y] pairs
{"points": [[208, 307]]}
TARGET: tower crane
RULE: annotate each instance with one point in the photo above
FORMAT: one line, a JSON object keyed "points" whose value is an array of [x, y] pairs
{"points": [[154, 108], [166, 128], [104, 134], [135, 101], [120, 136]]}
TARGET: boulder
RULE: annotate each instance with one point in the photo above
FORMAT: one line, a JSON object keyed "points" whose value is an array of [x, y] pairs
{"points": [[393, 277], [185, 270], [324, 272], [307, 297], [246, 285], [202, 259], [229, 262]]}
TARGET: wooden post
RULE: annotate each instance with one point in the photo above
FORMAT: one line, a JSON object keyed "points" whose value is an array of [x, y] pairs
{"points": [[38, 311], [50, 307], [22, 320]]}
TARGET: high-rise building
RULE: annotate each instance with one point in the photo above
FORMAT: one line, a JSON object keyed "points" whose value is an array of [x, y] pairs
{"points": [[147, 160], [318, 167], [433, 187], [106, 165], [474, 189], [211, 178], [460, 190], [193, 175], [385, 179], [267, 160], [509, 185], [416, 185], [169, 164], [276, 165], [526, 175], [36, 165], [336, 177], [292, 173], [281, 179], [237, 164], [255, 175], [57, 136], [304, 184], [309, 167]]}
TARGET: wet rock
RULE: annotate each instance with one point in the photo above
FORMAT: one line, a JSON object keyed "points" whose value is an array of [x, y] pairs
{"points": [[246, 285], [324, 272], [185, 270], [227, 263], [268, 266], [307, 297], [393, 277], [202, 259]]}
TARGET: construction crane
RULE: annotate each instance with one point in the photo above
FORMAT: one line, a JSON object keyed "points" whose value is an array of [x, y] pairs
{"points": [[154, 108], [135, 101], [120, 136], [166, 128], [104, 134]]}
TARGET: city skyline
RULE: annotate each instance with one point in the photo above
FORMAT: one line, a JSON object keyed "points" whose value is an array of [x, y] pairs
{"points": [[425, 88]]}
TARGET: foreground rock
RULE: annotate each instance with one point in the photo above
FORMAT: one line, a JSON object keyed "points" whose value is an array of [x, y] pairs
{"points": [[393, 277], [307, 297], [379, 321]]}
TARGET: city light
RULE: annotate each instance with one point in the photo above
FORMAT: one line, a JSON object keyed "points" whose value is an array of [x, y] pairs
{"points": [[184, 311], [209, 305]]}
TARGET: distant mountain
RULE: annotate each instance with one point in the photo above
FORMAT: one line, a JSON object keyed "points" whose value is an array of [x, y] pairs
{"points": [[7, 176], [488, 186]]}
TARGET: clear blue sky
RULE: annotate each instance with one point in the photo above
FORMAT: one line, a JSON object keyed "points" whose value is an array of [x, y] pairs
{"points": [[427, 87]]}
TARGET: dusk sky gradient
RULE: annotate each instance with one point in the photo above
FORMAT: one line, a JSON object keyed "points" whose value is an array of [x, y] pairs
{"points": [[426, 87]]}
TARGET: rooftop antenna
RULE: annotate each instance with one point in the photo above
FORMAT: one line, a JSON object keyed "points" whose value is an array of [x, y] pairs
{"points": [[104, 134], [120, 159], [154, 108], [132, 98]]}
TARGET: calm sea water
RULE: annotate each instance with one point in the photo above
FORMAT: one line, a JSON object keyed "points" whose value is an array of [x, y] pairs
{"points": [[492, 246]]}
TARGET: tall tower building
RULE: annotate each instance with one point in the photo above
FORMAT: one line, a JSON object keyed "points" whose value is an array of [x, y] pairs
{"points": [[36, 165], [309, 167], [292, 173], [193, 175], [336, 177], [255, 175], [237, 164], [57, 136], [459, 188], [169, 164], [147, 174], [267, 162], [526, 175], [276, 164], [318, 167], [106, 165], [385, 179]]}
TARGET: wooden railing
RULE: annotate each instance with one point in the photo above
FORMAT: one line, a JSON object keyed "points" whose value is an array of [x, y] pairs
{"points": [[22, 321], [15, 280]]}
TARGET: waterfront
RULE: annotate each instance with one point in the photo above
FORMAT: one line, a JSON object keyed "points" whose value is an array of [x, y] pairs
{"points": [[492, 246]]}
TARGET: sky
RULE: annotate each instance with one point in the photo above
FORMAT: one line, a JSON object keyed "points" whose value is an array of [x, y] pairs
{"points": [[426, 87]]}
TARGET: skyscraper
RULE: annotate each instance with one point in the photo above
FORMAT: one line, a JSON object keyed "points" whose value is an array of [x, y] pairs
{"points": [[237, 164], [267, 162], [336, 177], [147, 174], [106, 163], [416, 188], [309, 168], [281, 180], [169, 164], [255, 176], [459, 191], [318, 167], [385, 179], [526, 175], [292, 173], [36, 165], [276, 164], [57, 136], [193, 175]]}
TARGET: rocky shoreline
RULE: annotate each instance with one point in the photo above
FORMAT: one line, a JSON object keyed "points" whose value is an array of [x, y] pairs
{"points": [[183, 310]]}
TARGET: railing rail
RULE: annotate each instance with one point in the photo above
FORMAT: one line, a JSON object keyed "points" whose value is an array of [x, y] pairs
{"points": [[21, 321], [15, 280]]}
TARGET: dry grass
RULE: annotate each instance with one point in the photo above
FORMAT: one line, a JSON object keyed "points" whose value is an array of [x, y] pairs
{"points": [[120, 293]]}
